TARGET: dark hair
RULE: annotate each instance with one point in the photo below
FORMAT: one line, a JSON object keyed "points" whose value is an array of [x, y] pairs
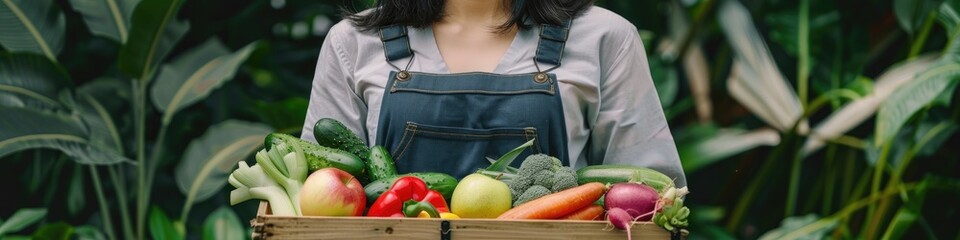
{"points": [[423, 13]]}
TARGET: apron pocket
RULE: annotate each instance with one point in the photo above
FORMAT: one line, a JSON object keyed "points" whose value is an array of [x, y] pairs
{"points": [[425, 147]]}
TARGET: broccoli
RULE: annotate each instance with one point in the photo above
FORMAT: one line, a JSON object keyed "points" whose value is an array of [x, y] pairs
{"points": [[530, 194], [543, 173]]}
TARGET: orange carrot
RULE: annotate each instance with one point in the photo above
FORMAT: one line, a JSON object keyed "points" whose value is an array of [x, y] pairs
{"points": [[592, 212], [558, 204]]}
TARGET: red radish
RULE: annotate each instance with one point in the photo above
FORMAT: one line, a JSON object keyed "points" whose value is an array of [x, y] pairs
{"points": [[620, 220], [639, 200], [627, 203]]}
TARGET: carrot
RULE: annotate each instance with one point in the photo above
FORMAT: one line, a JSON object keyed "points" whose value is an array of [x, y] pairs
{"points": [[592, 212], [558, 204]]}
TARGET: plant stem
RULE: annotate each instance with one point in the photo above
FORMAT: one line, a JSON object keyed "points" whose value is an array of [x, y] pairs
{"points": [[139, 115], [921, 39], [121, 190], [154, 160], [831, 170], [875, 185], [700, 15], [846, 211], [104, 210], [803, 46], [794, 185]]}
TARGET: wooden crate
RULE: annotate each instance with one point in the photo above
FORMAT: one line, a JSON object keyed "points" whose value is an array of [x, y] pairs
{"points": [[267, 226]]}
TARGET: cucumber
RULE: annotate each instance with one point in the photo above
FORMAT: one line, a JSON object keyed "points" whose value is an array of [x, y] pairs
{"points": [[441, 182], [380, 164], [331, 133], [624, 173], [318, 156]]}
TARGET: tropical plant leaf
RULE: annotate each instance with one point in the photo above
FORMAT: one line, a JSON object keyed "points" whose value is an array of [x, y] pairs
{"points": [[25, 129], [665, 80], [223, 224], [30, 80], [951, 22], [54, 231], [32, 26], [931, 136], [911, 13], [211, 158], [76, 199], [801, 227], [909, 213], [87, 232], [21, 219], [154, 31], [755, 81], [855, 113], [106, 18], [723, 143], [284, 116], [98, 103], [195, 74], [161, 227], [912, 97]]}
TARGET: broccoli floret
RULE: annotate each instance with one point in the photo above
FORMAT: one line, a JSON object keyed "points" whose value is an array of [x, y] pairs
{"points": [[544, 178], [531, 193], [537, 162], [521, 183], [563, 179]]}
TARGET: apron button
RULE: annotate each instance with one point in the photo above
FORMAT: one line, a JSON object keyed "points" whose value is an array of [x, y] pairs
{"points": [[540, 77], [403, 75]]}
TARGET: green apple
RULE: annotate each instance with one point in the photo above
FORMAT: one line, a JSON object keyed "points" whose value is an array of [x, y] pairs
{"points": [[479, 196]]}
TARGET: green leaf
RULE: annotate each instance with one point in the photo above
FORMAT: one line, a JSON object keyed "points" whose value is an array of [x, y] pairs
{"points": [[154, 31], [210, 159], [951, 22], [26, 129], [930, 136], [665, 80], [910, 13], [30, 80], [32, 26], [223, 224], [21, 219], [284, 116], [55, 231], [911, 98], [801, 227], [720, 144], [161, 227], [857, 112], [507, 158], [909, 213], [195, 74], [76, 199], [98, 103], [755, 81], [106, 18], [87, 232]]}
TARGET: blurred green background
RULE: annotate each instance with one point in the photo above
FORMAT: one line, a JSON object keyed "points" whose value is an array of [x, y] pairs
{"points": [[806, 118]]}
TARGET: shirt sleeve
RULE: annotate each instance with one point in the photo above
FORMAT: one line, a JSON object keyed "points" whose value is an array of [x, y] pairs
{"points": [[630, 127], [333, 93]]}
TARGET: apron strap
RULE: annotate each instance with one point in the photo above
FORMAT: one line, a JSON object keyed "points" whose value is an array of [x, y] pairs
{"points": [[552, 40], [396, 45]]}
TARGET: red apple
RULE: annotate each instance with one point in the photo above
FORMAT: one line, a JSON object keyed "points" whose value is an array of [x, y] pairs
{"points": [[332, 192]]}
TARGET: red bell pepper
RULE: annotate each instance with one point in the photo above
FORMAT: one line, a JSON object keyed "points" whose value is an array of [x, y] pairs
{"points": [[407, 197]]}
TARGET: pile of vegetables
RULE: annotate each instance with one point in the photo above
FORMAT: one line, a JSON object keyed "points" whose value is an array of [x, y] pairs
{"points": [[541, 188]]}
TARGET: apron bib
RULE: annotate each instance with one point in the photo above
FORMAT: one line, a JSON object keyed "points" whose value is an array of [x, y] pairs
{"points": [[452, 123]]}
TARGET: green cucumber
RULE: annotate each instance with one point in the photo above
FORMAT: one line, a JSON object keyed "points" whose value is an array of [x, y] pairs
{"points": [[331, 133], [380, 164], [442, 182], [624, 173], [318, 156]]}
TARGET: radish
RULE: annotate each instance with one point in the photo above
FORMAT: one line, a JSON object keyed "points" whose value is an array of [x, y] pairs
{"points": [[627, 203]]}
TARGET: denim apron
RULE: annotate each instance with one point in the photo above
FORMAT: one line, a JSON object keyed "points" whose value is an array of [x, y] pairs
{"points": [[452, 123]]}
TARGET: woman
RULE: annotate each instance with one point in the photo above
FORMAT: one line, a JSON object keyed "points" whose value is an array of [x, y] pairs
{"points": [[446, 84]]}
